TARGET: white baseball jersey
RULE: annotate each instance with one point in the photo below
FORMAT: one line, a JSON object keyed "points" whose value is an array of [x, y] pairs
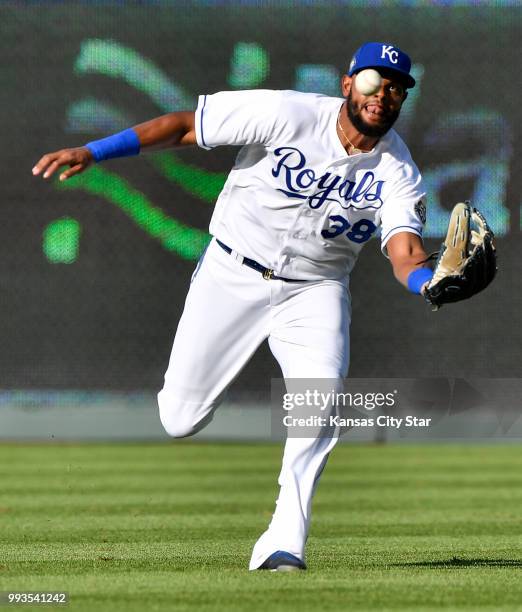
{"points": [[295, 201]]}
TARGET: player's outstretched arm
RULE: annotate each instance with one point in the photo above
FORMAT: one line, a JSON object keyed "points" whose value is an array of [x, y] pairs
{"points": [[408, 259], [171, 130]]}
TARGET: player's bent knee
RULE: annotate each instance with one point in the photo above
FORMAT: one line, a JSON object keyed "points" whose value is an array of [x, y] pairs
{"points": [[179, 418]]}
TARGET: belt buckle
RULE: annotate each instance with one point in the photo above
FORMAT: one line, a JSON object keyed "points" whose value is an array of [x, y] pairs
{"points": [[267, 274]]}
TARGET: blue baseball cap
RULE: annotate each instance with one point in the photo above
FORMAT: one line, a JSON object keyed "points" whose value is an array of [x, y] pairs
{"points": [[382, 55]]}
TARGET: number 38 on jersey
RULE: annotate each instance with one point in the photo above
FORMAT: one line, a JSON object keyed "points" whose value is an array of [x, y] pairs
{"points": [[360, 231]]}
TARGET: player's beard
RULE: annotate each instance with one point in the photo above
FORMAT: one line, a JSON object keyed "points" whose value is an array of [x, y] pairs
{"points": [[373, 131]]}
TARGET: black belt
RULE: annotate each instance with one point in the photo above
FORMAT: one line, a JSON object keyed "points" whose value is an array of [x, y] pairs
{"points": [[267, 273]]}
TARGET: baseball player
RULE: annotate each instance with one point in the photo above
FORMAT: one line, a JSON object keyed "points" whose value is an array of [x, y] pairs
{"points": [[316, 177]]}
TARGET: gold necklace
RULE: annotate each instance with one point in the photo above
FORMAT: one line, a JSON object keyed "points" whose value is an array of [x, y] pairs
{"points": [[353, 150]]}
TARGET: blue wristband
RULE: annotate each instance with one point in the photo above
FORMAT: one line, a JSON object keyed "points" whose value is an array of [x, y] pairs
{"points": [[123, 144], [417, 278]]}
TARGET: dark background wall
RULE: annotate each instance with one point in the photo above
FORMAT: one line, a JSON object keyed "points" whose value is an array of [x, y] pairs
{"points": [[93, 276]]}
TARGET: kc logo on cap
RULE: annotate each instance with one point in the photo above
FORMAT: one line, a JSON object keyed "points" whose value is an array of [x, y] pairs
{"points": [[382, 55], [392, 53]]}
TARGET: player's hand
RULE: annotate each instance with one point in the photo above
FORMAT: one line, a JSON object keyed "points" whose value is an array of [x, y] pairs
{"points": [[78, 160]]}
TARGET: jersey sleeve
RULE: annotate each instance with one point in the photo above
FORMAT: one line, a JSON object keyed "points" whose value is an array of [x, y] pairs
{"points": [[404, 210], [237, 117]]}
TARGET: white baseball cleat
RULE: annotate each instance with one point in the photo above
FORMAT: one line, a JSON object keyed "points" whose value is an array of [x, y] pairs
{"points": [[282, 561]]}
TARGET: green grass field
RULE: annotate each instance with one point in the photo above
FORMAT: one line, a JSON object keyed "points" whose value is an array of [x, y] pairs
{"points": [[170, 527]]}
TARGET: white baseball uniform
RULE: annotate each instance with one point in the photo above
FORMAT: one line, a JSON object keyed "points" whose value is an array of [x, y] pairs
{"points": [[298, 204]]}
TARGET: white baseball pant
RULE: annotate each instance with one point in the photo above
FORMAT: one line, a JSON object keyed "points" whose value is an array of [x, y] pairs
{"points": [[229, 311]]}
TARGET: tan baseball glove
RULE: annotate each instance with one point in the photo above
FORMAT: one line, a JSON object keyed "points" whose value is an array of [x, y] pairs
{"points": [[466, 262]]}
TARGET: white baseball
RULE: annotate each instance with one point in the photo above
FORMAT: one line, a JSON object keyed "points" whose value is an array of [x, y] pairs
{"points": [[368, 81]]}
